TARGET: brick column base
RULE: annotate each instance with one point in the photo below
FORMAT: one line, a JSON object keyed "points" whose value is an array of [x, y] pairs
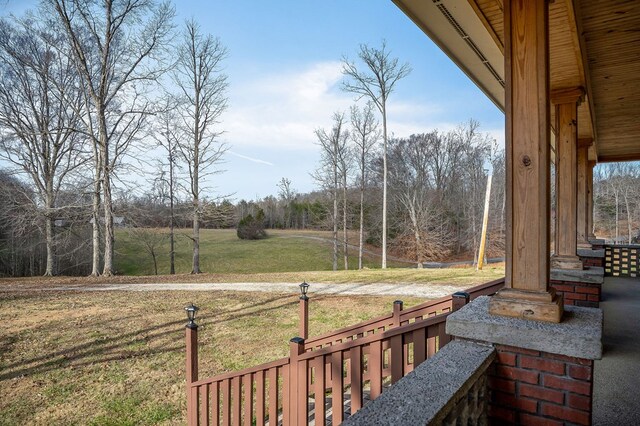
{"points": [[578, 294], [579, 288], [543, 372], [538, 388]]}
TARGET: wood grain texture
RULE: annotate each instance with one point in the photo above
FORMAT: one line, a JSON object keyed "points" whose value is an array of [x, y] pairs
{"points": [[566, 179], [591, 165], [583, 189], [527, 143]]}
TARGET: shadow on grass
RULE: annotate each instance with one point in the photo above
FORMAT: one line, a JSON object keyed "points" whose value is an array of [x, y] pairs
{"points": [[89, 353]]}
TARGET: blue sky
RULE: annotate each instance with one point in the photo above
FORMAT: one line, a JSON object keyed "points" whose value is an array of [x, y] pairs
{"points": [[284, 75]]}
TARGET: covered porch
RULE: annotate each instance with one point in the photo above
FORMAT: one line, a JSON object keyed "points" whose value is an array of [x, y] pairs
{"points": [[567, 75]]}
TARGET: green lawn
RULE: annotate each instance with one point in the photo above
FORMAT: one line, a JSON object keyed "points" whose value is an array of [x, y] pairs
{"points": [[221, 251], [117, 358]]}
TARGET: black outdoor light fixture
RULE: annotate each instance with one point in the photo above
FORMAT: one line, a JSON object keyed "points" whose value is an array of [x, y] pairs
{"points": [[304, 287], [191, 315]]}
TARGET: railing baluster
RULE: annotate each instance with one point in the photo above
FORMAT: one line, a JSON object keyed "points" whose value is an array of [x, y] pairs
{"points": [[375, 368], [236, 401], [286, 384], [419, 346], [355, 367], [302, 397], [247, 387], [431, 340], [397, 361], [273, 396], [318, 390], [204, 401], [226, 402], [259, 398], [196, 404], [215, 407], [443, 337], [337, 388]]}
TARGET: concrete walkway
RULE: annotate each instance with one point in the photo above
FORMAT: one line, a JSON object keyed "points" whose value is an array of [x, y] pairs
{"points": [[617, 376]]}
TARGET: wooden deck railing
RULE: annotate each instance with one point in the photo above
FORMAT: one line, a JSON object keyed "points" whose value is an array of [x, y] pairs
{"points": [[332, 375], [622, 260]]}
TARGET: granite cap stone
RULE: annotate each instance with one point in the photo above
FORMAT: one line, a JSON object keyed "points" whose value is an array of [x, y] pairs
{"points": [[578, 335], [591, 275], [590, 253], [423, 395]]}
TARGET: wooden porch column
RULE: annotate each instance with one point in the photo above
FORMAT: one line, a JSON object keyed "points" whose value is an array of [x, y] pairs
{"points": [[590, 166], [527, 293], [566, 102], [583, 193]]}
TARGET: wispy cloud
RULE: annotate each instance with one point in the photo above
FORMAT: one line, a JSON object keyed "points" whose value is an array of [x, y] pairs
{"points": [[282, 110], [245, 157]]}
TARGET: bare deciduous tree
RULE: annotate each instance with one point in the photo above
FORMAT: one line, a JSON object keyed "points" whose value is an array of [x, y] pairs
{"points": [[166, 136], [203, 99], [118, 46], [39, 129], [288, 196], [333, 146], [376, 83], [365, 136]]}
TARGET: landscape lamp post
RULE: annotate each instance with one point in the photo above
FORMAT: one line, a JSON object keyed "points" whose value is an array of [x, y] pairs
{"points": [[191, 330], [304, 310]]}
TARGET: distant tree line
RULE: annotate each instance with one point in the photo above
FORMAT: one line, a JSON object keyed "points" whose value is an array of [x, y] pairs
{"points": [[617, 202]]}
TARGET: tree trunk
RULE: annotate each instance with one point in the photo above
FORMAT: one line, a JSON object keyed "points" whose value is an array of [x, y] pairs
{"points": [[628, 207], [417, 237], [345, 243], [49, 232], [49, 269], [155, 262], [109, 236], [384, 187], [172, 253], [196, 237], [617, 211], [95, 227], [335, 216], [361, 245]]}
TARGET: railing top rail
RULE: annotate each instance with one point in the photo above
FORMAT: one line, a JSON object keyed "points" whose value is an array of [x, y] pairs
{"points": [[425, 305], [480, 290], [345, 330], [375, 337], [230, 375]]}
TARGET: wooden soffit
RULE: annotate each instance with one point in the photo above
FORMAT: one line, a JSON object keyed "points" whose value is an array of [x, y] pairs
{"points": [[593, 44]]}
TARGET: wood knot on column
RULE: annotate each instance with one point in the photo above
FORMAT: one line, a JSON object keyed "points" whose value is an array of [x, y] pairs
{"points": [[526, 161]]}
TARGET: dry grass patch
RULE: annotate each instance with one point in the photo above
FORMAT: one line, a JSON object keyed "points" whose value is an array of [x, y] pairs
{"points": [[117, 358], [468, 276]]}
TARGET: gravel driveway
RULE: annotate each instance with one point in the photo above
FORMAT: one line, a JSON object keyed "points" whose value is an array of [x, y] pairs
{"points": [[429, 291]]}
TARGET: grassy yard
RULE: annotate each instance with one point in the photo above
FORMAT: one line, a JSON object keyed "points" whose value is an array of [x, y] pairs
{"points": [[221, 251], [117, 358]]}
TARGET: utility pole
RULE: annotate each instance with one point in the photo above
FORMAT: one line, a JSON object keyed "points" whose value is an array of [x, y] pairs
{"points": [[485, 223]]}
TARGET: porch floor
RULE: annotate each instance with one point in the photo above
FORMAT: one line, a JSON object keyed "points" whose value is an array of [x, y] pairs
{"points": [[617, 375]]}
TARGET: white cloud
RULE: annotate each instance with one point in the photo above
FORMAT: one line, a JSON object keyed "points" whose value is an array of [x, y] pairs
{"points": [[281, 111]]}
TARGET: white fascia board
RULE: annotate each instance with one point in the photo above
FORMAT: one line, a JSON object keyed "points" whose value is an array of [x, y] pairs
{"points": [[429, 17]]}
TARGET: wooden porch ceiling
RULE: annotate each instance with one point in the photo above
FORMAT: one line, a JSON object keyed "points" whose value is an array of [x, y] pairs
{"points": [[592, 43]]}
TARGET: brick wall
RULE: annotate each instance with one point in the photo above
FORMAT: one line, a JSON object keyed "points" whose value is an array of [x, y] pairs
{"points": [[578, 294], [538, 388], [592, 261]]}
